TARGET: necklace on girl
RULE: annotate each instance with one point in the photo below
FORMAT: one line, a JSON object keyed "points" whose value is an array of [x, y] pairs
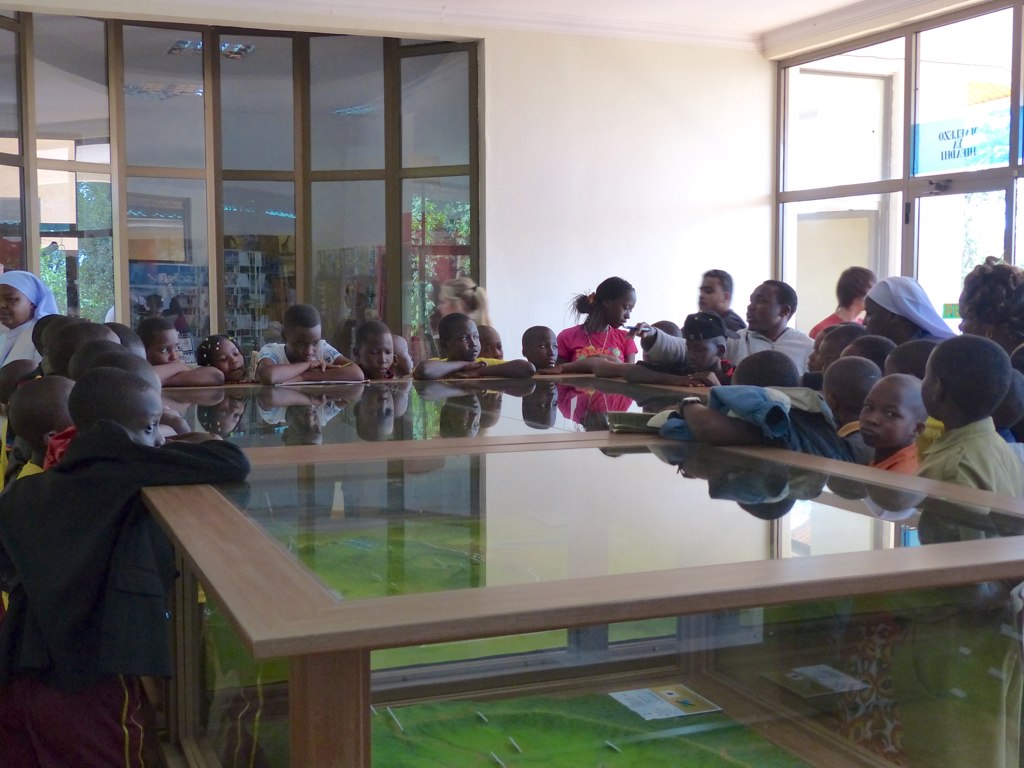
{"points": [[604, 344]]}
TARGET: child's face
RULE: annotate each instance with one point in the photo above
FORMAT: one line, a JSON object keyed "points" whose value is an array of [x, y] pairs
{"points": [[540, 406], [227, 358], [541, 349], [712, 297], [144, 427], [464, 342], [163, 348], [616, 311], [376, 356], [889, 420], [704, 355], [375, 416], [300, 344], [490, 345]]}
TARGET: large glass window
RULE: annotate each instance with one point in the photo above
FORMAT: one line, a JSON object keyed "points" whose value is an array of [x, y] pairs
{"points": [[941, 177], [346, 103], [824, 237], [168, 254], [847, 108], [259, 258], [436, 247], [10, 95], [348, 256], [72, 112], [164, 97], [435, 96], [256, 91], [12, 254], [77, 247], [963, 95]]}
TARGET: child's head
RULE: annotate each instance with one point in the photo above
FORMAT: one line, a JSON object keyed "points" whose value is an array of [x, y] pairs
{"points": [[1011, 409], [893, 414], [611, 303], [82, 360], [766, 369], [847, 382], [223, 353], [41, 325], [668, 328], [221, 419], [111, 394], [460, 416], [834, 340], [705, 334], [459, 337], [965, 380], [39, 410], [374, 349], [12, 374], [540, 406], [910, 357], [304, 427], [540, 346], [874, 348], [490, 343], [124, 360], [301, 332], [129, 339], [62, 346], [160, 339], [375, 414]]}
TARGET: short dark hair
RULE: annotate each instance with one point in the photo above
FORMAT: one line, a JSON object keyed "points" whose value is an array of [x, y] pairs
{"points": [[874, 348], [767, 368], [784, 294], [129, 339], [854, 283], [369, 328], [107, 394], [301, 316], [60, 349], [910, 357], [449, 323], [723, 277], [975, 374], [1011, 408], [535, 331], [150, 327], [848, 381], [40, 326], [82, 358], [843, 334]]}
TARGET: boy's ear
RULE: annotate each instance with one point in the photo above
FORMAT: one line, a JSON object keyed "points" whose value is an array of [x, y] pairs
{"points": [[722, 350], [918, 429], [47, 436]]}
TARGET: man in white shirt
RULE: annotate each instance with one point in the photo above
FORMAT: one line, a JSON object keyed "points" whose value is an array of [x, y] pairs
{"points": [[771, 306]]}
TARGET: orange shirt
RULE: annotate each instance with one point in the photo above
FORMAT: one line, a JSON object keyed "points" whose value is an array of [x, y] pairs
{"points": [[903, 461]]}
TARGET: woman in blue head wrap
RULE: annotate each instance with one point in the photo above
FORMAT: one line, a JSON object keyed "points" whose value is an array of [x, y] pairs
{"points": [[24, 298]]}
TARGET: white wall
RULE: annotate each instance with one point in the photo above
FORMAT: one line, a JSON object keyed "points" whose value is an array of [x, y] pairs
{"points": [[609, 157]]}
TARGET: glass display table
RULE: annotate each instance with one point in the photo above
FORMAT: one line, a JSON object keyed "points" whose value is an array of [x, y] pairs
{"points": [[452, 602]]}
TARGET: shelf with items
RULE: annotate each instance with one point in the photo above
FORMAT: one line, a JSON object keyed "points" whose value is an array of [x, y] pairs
{"points": [[245, 318]]}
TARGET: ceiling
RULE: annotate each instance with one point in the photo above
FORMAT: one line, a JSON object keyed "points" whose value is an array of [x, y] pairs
{"points": [[755, 24]]}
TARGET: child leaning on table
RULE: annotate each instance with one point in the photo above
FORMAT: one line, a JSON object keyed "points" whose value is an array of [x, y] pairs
{"points": [[303, 356], [460, 340], [89, 573]]}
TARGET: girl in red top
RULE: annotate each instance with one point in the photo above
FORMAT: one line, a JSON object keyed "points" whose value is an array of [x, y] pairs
{"points": [[607, 309]]}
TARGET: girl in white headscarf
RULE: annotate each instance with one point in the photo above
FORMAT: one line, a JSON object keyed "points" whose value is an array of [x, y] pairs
{"points": [[24, 298]]}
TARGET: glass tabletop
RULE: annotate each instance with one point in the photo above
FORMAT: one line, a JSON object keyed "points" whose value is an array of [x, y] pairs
{"points": [[461, 521], [260, 416]]}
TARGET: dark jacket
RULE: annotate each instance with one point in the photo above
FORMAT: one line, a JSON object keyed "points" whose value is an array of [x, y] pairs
{"points": [[88, 568]]}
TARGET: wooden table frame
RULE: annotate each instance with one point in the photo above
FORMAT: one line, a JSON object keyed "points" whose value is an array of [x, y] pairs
{"points": [[281, 610]]}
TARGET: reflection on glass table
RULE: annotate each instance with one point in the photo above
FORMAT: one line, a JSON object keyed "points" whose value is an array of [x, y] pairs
{"points": [[260, 416]]}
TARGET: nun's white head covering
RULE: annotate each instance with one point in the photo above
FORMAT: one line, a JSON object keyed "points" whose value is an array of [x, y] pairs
{"points": [[905, 297], [35, 289]]}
